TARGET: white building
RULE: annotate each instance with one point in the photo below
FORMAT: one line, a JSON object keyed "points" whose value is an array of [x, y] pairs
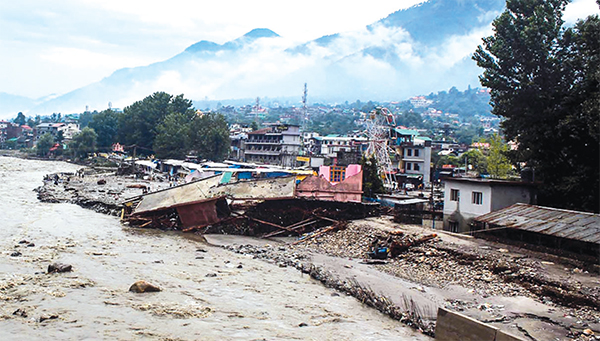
{"points": [[332, 144], [468, 198], [414, 153], [278, 144]]}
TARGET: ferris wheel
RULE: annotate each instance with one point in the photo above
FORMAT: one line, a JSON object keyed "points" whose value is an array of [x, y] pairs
{"points": [[378, 123]]}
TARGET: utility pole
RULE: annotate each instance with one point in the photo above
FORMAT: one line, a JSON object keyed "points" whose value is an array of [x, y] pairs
{"points": [[304, 110], [432, 206]]}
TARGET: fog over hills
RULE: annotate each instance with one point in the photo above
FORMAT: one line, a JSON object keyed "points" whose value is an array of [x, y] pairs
{"points": [[418, 50]]}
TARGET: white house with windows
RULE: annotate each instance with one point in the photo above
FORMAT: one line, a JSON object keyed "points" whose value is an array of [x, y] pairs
{"points": [[413, 154], [468, 198]]}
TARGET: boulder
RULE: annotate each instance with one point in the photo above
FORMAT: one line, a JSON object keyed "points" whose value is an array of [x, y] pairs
{"points": [[143, 286], [59, 267]]}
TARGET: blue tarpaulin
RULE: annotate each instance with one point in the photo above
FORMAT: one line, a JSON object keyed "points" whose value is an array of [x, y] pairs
{"points": [[244, 175]]}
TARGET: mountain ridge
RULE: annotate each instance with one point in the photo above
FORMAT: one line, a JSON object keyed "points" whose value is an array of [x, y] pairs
{"points": [[401, 55]]}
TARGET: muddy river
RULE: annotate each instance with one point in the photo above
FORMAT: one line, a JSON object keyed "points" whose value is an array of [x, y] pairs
{"points": [[208, 293]]}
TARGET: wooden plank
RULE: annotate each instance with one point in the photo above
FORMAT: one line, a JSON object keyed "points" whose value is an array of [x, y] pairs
{"points": [[271, 224], [295, 228], [322, 232]]}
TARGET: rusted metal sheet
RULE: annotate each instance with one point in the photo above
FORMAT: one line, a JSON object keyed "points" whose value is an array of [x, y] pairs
{"points": [[199, 213], [574, 225]]}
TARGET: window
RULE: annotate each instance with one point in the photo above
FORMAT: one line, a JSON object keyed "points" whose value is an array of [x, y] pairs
{"points": [[416, 152], [409, 152], [417, 167], [337, 173], [454, 195], [408, 166], [477, 198]]}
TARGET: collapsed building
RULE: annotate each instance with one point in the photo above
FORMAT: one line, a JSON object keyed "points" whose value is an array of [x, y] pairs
{"points": [[228, 203]]}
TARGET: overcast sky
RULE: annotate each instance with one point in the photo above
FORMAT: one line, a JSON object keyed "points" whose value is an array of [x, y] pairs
{"points": [[53, 47]]}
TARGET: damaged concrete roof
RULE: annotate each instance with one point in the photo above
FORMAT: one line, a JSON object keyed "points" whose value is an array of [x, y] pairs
{"points": [[575, 225], [273, 188], [175, 196]]}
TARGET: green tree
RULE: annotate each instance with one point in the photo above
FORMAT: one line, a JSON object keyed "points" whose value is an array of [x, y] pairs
{"points": [[498, 165], [60, 136], [139, 122], [84, 142], [44, 144], [372, 182], [209, 136], [34, 122], [172, 140], [85, 118], [254, 126], [544, 82], [106, 126], [20, 119], [477, 160]]}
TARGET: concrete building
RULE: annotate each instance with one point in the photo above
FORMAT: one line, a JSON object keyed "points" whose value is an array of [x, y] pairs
{"points": [[468, 198], [68, 130], [414, 155], [332, 144], [278, 144]]}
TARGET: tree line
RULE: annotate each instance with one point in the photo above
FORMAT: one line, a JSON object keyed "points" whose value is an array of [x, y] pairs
{"points": [[161, 124]]}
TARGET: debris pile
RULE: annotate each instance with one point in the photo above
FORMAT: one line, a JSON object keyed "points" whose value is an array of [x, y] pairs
{"points": [[485, 271]]}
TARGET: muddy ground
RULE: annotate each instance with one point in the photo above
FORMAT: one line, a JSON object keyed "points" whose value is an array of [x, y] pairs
{"points": [[529, 294]]}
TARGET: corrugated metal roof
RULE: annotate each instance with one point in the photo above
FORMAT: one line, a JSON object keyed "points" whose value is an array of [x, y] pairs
{"points": [[575, 225]]}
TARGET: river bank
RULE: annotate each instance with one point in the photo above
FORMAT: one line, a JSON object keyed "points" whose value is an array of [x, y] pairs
{"points": [[525, 293], [208, 292]]}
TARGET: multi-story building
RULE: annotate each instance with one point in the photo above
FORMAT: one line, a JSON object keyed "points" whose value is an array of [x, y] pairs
{"points": [[278, 144], [68, 130], [9, 130], [331, 145], [413, 155]]}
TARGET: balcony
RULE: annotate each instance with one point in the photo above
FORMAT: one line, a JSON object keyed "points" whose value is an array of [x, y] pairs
{"points": [[261, 152], [269, 142]]}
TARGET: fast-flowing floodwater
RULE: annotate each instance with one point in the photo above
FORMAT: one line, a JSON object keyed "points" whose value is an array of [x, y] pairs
{"points": [[207, 292]]}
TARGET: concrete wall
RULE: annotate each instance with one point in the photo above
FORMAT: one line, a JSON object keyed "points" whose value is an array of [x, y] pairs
{"points": [[451, 326], [504, 196], [463, 210]]}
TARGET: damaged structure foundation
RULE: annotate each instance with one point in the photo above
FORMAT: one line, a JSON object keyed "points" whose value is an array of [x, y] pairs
{"points": [[267, 207]]}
